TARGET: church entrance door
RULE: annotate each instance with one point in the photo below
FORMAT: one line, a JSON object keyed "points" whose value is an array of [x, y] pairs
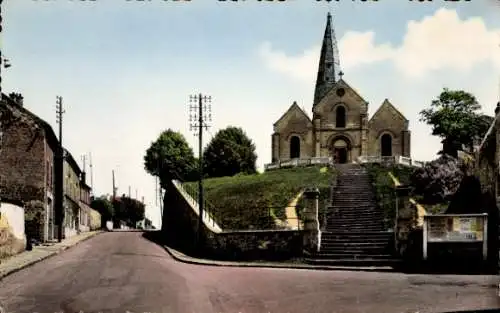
{"points": [[340, 151], [341, 155]]}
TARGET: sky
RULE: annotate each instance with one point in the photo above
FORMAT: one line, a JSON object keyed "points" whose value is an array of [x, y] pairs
{"points": [[126, 68]]}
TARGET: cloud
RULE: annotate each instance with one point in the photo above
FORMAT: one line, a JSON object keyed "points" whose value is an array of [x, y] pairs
{"points": [[443, 41], [298, 67], [438, 42]]}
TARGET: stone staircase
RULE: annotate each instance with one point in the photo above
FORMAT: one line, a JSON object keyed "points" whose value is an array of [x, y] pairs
{"points": [[354, 233]]}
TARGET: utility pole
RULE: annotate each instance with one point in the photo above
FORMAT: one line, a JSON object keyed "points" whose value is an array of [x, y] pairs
{"points": [[114, 188], [200, 113], [59, 171], [84, 159], [91, 173]]}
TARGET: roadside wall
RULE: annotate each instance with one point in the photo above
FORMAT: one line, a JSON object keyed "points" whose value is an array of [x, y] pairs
{"points": [[95, 219], [180, 223], [255, 245], [12, 237]]}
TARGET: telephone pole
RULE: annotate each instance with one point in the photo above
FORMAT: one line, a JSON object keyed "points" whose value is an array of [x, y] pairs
{"points": [[114, 187], [91, 173], [59, 171], [200, 112]]}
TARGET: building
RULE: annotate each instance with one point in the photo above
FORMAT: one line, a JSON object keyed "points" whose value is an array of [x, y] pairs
{"points": [[340, 126], [85, 200], [72, 174], [27, 148]]}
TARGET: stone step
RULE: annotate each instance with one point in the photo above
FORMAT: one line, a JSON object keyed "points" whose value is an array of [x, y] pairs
{"points": [[353, 193], [348, 244], [355, 251], [357, 235], [354, 228], [359, 256], [353, 223], [386, 263], [354, 242], [354, 214], [355, 201]]}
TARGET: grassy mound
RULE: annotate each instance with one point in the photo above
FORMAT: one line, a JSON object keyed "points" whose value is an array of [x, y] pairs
{"points": [[383, 186], [250, 201]]}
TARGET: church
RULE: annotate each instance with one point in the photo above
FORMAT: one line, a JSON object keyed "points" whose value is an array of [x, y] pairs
{"points": [[340, 127]]}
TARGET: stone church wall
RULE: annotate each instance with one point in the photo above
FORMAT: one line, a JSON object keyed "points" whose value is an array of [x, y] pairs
{"points": [[387, 121]]}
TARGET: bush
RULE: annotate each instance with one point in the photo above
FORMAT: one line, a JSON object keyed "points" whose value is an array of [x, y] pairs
{"points": [[437, 181]]}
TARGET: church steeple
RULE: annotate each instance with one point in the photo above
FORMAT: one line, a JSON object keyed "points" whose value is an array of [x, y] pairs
{"points": [[328, 62]]}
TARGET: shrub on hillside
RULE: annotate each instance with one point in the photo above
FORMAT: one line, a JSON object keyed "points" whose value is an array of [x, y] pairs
{"points": [[438, 180]]}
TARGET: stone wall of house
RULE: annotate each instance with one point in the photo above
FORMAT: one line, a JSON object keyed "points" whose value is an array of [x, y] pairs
{"points": [[180, 223], [95, 219], [22, 158], [35, 219]]}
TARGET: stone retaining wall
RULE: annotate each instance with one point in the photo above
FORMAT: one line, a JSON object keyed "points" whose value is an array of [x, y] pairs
{"points": [[255, 245], [180, 223]]}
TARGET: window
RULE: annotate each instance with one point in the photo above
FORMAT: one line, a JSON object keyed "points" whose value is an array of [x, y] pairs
{"points": [[294, 147], [340, 117], [386, 145]]}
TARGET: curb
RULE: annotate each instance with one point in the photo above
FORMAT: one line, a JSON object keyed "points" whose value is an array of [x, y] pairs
{"points": [[32, 262], [180, 257]]}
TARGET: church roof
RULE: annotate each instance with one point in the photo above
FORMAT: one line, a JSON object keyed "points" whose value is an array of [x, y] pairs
{"points": [[294, 106], [328, 63], [388, 104], [342, 83]]}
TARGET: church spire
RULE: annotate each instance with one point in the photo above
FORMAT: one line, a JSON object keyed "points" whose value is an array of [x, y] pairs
{"points": [[328, 63]]}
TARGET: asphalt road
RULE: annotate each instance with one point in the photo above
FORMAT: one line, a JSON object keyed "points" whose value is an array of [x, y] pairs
{"points": [[122, 271]]}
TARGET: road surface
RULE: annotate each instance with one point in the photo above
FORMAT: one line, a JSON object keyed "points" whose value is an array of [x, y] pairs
{"points": [[122, 271]]}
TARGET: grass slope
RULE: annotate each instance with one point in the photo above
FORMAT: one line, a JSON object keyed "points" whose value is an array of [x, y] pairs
{"points": [[245, 201]]}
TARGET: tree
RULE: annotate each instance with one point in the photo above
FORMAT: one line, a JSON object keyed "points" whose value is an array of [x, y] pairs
{"points": [[455, 118], [230, 152], [128, 210], [170, 157], [104, 207]]}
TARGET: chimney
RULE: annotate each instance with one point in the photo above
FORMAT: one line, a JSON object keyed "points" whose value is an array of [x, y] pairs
{"points": [[17, 98], [497, 110], [83, 177]]}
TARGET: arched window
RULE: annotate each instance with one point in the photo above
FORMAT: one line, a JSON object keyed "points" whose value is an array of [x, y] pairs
{"points": [[340, 117], [386, 145], [294, 147]]}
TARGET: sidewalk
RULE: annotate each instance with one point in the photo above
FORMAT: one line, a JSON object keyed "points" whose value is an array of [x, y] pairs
{"points": [[39, 253], [179, 256]]}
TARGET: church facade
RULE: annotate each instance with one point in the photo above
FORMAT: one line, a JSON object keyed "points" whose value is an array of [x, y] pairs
{"points": [[340, 126]]}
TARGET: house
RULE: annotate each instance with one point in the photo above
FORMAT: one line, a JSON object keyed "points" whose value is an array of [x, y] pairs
{"points": [[85, 200], [27, 148], [71, 202]]}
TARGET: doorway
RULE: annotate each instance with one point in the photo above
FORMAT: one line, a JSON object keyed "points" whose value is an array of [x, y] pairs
{"points": [[386, 145], [341, 155], [341, 150]]}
